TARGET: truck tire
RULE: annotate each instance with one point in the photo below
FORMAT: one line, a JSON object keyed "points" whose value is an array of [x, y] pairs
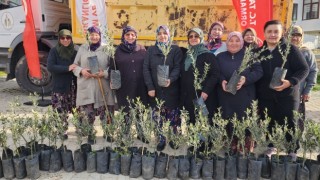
{"points": [[32, 84]]}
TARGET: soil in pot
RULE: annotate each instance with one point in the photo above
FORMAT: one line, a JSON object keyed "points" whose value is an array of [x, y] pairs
{"points": [[302, 172], [67, 160], [266, 167], [161, 166], [173, 167], [148, 165], [242, 167], [20, 167], [79, 161], [207, 168], [136, 165], [125, 164], [231, 168], [254, 169], [231, 86], [114, 163], [162, 75], [8, 168], [184, 167], [278, 170], [314, 169], [32, 166], [195, 167], [219, 167], [102, 161], [277, 76], [91, 162]]}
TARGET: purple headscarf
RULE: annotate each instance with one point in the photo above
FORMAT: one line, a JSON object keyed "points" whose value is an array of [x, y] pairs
{"points": [[94, 29], [214, 43], [238, 34], [125, 45], [167, 31]]}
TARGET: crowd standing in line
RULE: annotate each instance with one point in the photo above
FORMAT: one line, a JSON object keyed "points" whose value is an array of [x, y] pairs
{"points": [[139, 76]]}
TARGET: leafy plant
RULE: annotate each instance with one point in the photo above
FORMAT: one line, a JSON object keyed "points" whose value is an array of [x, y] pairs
{"points": [[108, 47], [310, 138], [3, 134], [295, 133], [284, 53], [166, 48], [118, 131], [218, 133], [148, 126], [229, 139]]}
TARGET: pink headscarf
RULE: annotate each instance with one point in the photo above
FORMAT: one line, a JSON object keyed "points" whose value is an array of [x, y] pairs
{"points": [[238, 34]]}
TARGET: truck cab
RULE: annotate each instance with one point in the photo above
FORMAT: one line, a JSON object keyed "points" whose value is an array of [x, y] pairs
{"points": [[49, 17]]}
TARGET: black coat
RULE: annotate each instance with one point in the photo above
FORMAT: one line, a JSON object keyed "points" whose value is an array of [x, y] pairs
{"points": [[154, 58], [188, 93], [59, 69], [237, 104], [130, 66]]}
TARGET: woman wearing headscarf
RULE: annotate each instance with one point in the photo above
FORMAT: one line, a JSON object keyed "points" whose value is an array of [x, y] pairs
{"points": [[128, 59], [60, 65], [170, 93], [250, 37], [237, 104], [201, 56], [214, 42], [93, 87]]}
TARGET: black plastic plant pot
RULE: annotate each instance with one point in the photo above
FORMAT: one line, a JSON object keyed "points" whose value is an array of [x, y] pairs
{"points": [[1, 169], [162, 75], [45, 154], [201, 105], [102, 161], [79, 161], [86, 148], [278, 75], [195, 167], [91, 162], [148, 165], [173, 167], [219, 167], [278, 170], [23, 151], [161, 166], [242, 167], [7, 153], [231, 86], [20, 167], [254, 169], [184, 167], [8, 168], [125, 164], [32, 166], [33, 145], [303, 173], [114, 163], [67, 160], [115, 79], [207, 169], [55, 161], [266, 167], [231, 168], [291, 170], [314, 169], [136, 165]]}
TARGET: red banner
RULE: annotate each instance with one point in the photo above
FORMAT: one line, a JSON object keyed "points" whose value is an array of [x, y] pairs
{"points": [[254, 14], [30, 42]]}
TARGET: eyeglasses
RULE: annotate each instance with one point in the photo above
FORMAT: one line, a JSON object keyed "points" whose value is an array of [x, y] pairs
{"points": [[193, 36], [65, 38]]}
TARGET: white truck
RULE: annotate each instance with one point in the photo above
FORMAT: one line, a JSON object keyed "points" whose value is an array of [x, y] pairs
{"points": [[49, 16]]}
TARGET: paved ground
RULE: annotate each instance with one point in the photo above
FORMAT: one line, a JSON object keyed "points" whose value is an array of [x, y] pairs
{"points": [[9, 91]]}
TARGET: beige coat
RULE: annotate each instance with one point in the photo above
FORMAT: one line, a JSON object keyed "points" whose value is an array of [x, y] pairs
{"points": [[88, 90]]}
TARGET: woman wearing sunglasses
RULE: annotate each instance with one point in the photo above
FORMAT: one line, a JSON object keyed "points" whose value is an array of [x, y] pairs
{"points": [[60, 64], [197, 57]]}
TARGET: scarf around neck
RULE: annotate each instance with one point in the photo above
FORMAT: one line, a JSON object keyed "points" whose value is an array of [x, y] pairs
{"points": [[195, 51]]}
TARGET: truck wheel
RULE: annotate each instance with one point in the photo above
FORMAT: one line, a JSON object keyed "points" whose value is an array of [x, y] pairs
{"points": [[30, 84]]}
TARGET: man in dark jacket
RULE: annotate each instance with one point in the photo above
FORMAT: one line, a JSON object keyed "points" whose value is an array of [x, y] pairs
{"points": [[282, 100]]}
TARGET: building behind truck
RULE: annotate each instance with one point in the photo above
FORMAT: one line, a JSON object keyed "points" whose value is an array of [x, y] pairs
{"points": [[145, 15]]}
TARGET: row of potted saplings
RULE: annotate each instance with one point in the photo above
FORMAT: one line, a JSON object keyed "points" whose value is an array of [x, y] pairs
{"points": [[121, 157]]}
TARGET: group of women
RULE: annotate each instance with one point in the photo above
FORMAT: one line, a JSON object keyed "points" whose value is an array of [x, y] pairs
{"points": [[213, 58]]}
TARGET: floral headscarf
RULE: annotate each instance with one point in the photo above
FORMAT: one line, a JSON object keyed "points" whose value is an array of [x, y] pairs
{"points": [[214, 43], [94, 29]]}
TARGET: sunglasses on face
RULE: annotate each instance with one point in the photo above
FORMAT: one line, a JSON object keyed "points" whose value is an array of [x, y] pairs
{"points": [[193, 36], [65, 38]]}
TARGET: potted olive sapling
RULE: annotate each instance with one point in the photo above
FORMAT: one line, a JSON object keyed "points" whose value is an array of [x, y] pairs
{"points": [[197, 83], [163, 70], [308, 167], [80, 121], [7, 163], [279, 73], [218, 141], [258, 128], [231, 168], [277, 138]]}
